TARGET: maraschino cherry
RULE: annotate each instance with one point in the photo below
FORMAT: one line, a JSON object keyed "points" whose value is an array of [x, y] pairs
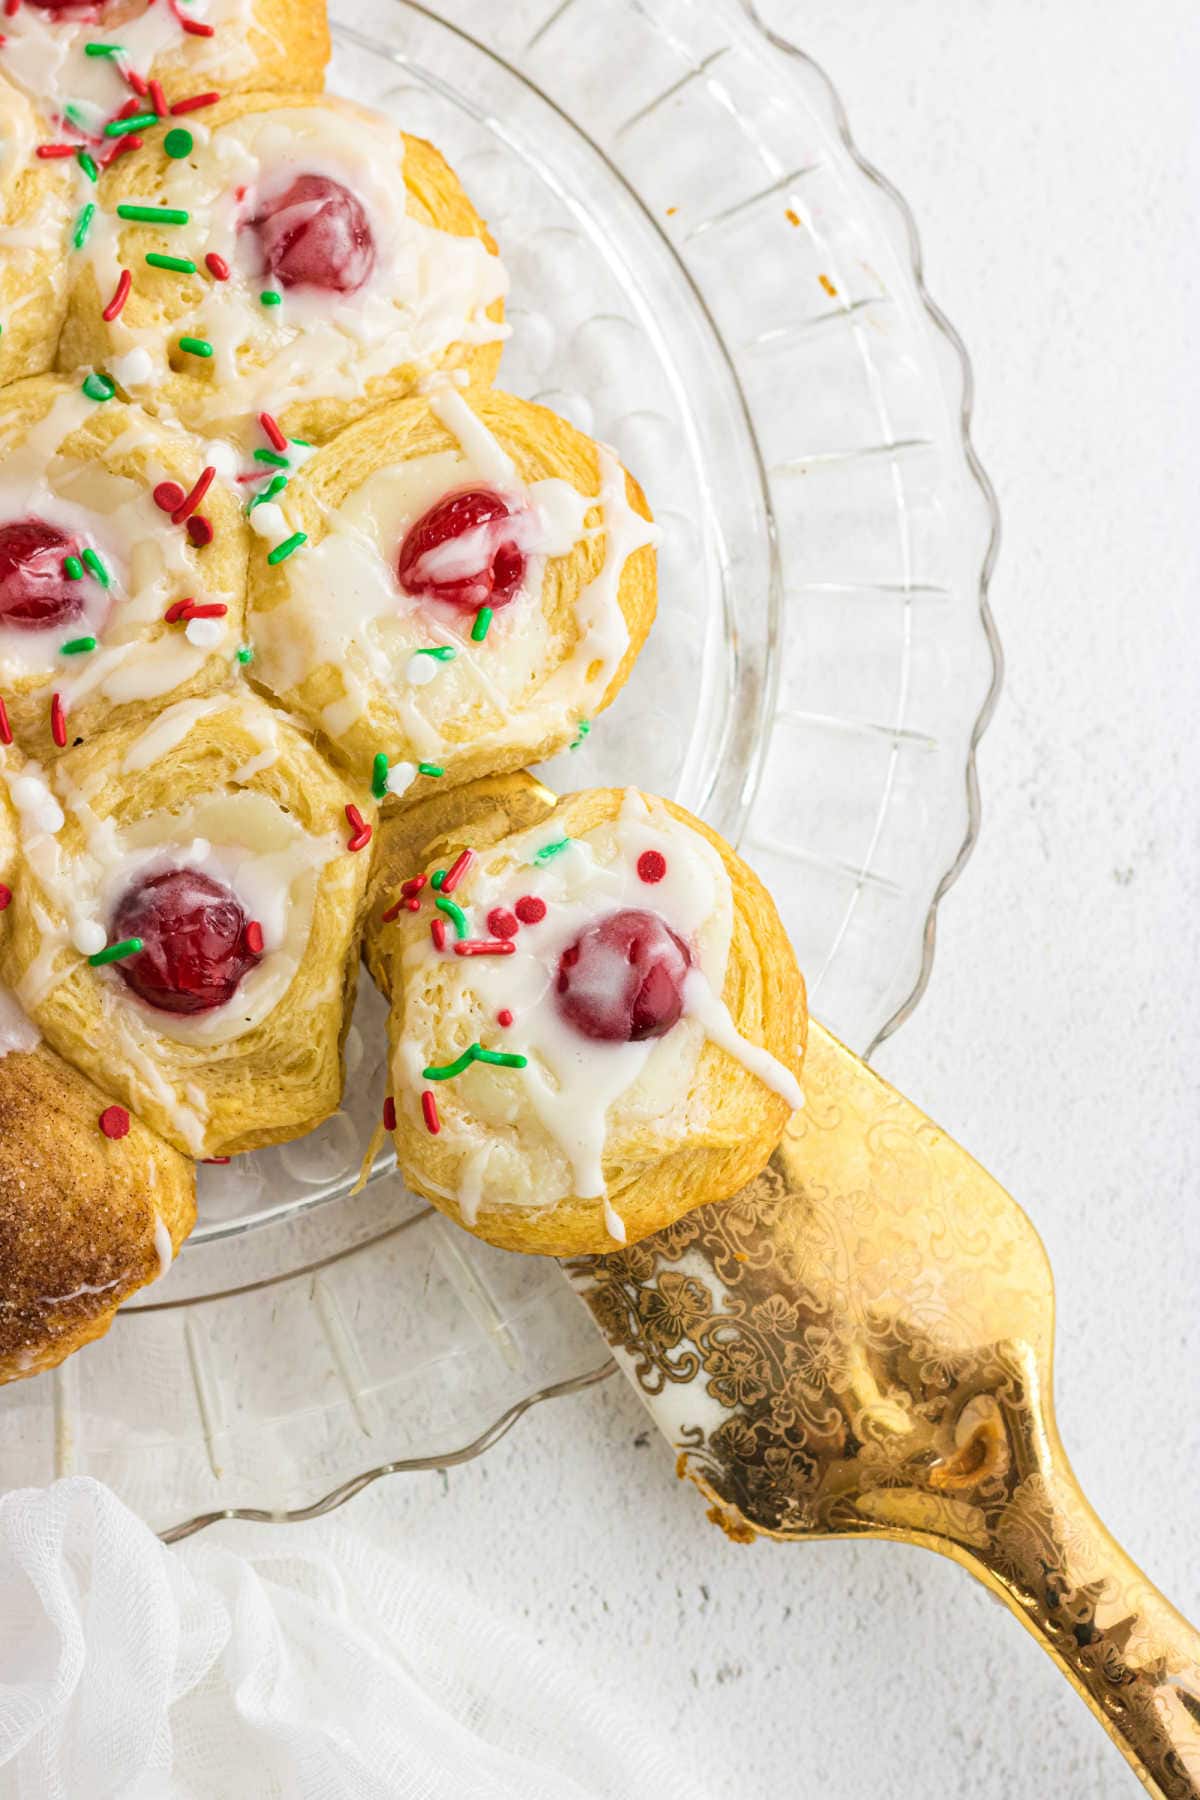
{"points": [[622, 979], [194, 941], [466, 551], [315, 234], [34, 592]]}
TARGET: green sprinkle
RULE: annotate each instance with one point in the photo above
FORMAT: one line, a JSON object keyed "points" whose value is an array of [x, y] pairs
{"points": [[447, 1071], [95, 567], [76, 646], [379, 774], [584, 728], [439, 875], [178, 143], [482, 625], [245, 653], [270, 298], [76, 115], [179, 265], [72, 568], [83, 225], [152, 215], [433, 770], [114, 952], [501, 1059], [303, 443], [196, 346], [97, 386], [87, 163], [104, 49], [441, 652], [282, 551], [549, 850], [453, 912], [275, 486], [127, 127], [273, 457]]}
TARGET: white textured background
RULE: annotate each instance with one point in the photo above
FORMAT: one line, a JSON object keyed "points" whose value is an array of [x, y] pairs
{"points": [[1052, 157]]}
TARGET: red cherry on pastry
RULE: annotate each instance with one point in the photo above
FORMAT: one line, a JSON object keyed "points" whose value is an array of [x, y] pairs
{"points": [[194, 939], [315, 234], [465, 551], [622, 979], [34, 592]]}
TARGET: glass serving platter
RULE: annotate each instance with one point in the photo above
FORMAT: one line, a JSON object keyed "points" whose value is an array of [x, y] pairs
{"points": [[707, 275]]}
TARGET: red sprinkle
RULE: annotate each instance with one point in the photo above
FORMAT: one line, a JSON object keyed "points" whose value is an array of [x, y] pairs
{"points": [[501, 924], [50, 152], [167, 496], [58, 721], [274, 436], [651, 866], [114, 1122], [482, 947], [158, 99], [127, 111], [254, 938], [120, 296], [177, 610], [194, 102], [5, 896], [437, 931], [137, 82], [360, 831], [504, 1017], [530, 910], [196, 27], [412, 903], [429, 1107], [218, 1161], [216, 265], [457, 870], [5, 727], [200, 531], [393, 912], [389, 1113], [119, 148], [10, 8], [212, 609], [191, 501]]}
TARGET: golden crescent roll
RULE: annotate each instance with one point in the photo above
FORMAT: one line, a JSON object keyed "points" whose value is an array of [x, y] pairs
{"points": [[188, 934], [189, 47], [92, 1207], [477, 578], [348, 264], [35, 207], [597, 1023], [99, 585]]}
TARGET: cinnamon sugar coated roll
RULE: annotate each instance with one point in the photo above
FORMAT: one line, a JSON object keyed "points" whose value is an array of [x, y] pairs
{"points": [[110, 606], [348, 264], [476, 577], [190, 47], [35, 206], [597, 1024], [187, 923]]}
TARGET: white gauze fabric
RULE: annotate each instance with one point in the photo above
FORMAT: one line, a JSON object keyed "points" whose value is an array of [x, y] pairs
{"points": [[294, 1672]]}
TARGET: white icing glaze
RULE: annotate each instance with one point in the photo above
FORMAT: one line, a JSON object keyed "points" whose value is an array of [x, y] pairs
{"points": [[428, 289], [18, 138], [345, 607], [163, 1246], [44, 52], [17, 1029], [571, 1082]]}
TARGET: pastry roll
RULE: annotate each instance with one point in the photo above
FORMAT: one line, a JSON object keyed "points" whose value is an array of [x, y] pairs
{"points": [[477, 578], [112, 601], [190, 919], [597, 1024], [188, 47], [306, 260], [35, 206]]}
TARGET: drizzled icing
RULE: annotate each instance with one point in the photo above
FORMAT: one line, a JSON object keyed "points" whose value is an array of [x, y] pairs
{"points": [[17, 1029], [147, 560], [345, 608], [427, 288], [571, 1083], [44, 50]]}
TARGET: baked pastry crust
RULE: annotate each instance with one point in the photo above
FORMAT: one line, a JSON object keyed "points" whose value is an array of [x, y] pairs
{"points": [[656, 1168], [34, 213], [91, 466], [518, 696], [267, 1066], [259, 360]]}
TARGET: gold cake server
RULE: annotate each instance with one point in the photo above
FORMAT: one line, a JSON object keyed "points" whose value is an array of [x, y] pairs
{"points": [[859, 1344]]}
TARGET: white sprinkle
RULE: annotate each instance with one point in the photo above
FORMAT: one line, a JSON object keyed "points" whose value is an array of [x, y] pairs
{"points": [[422, 670], [401, 777], [88, 936], [204, 633], [268, 521], [132, 370], [222, 457]]}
